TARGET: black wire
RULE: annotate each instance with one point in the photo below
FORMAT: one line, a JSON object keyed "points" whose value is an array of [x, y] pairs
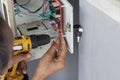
{"points": [[30, 10], [44, 25], [25, 3]]}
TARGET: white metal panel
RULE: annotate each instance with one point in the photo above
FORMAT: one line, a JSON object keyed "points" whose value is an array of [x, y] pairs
{"points": [[68, 20]]}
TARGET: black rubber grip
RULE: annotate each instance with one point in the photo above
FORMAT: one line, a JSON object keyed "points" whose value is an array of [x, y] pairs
{"points": [[39, 40]]}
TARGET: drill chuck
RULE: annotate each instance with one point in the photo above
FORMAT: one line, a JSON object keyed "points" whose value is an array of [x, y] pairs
{"points": [[39, 40]]}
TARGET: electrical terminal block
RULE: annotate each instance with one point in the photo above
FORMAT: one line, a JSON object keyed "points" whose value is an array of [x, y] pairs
{"points": [[67, 27]]}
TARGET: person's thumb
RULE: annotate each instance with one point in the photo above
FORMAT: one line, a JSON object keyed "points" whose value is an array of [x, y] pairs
{"points": [[19, 58]]}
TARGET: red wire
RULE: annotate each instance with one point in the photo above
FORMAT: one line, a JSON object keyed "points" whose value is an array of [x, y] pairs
{"points": [[15, 1], [45, 7], [61, 23]]}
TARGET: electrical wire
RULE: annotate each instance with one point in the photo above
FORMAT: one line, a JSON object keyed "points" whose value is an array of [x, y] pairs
{"points": [[30, 10], [28, 14], [24, 3], [45, 7], [46, 14]]}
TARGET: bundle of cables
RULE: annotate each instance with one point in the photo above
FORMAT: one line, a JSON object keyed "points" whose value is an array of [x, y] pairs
{"points": [[45, 14]]}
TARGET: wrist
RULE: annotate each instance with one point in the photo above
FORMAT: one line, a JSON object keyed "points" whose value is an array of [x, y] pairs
{"points": [[42, 76], [38, 75]]}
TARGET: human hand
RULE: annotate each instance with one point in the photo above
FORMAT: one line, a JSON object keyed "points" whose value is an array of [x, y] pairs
{"points": [[18, 59], [52, 61]]}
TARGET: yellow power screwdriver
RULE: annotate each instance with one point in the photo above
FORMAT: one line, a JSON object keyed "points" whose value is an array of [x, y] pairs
{"points": [[25, 44]]}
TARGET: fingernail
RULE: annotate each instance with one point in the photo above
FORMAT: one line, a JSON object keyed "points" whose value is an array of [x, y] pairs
{"points": [[24, 72], [28, 56]]}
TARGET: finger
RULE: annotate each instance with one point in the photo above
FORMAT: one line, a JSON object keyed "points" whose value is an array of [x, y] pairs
{"points": [[19, 70], [55, 57], [24, 67], [21, 57], [17, 59], [53, 48], [56, 43], [62, 52]]}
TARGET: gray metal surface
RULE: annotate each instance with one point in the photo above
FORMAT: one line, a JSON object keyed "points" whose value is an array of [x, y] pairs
{"points": [[100, 45]]}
